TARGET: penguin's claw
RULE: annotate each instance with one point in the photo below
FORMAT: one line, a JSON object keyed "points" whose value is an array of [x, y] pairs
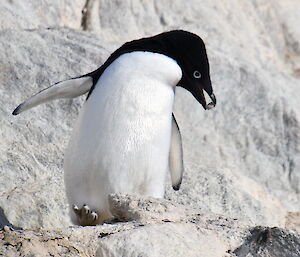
{"points": [[85, 216], [86, 209], [75, 209], [94, 215]]}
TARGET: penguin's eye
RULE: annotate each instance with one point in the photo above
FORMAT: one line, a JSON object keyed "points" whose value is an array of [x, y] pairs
{"points": [[197, 74]]}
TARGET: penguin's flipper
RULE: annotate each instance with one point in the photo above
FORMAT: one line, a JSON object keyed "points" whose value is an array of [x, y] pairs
{"points": [[176, 156], [65, 89]]}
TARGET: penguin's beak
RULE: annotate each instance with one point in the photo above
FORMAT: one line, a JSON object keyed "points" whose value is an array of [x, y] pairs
{"points": [[199, 95], [209, 91], [213, 103]]}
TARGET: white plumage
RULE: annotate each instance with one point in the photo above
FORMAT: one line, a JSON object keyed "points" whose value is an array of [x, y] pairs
{"points": [[121, 141]]}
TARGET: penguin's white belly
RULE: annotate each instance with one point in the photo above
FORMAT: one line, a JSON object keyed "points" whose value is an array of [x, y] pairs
{"points": [[121, 141]]}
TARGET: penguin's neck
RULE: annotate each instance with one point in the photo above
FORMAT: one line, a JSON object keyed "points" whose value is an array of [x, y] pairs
{"points": [[146, 65]]}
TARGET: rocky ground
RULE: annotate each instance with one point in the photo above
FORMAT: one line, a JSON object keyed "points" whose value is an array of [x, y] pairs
{"points": [[150, 228], [240, 194]]}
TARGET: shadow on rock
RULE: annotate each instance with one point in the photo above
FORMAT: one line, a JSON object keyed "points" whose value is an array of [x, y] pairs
{"points": [[275, 242], [4, 221]]}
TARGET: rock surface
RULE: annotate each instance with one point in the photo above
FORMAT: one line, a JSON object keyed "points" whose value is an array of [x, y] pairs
{"points": [[160, 228], [242, 159], [35, 14], [273, 242]]}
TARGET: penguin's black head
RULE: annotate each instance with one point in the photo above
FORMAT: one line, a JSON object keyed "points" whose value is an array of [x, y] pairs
{"points": [[189, 51], [186, 48]]}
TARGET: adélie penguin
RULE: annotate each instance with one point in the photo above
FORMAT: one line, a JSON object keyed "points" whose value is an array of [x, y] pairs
{"points": [[126, 137]]}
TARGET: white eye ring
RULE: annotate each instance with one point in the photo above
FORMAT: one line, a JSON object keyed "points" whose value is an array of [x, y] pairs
{"points": [[197, 74]]}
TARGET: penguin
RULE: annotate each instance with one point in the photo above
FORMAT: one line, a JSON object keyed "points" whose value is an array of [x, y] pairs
{"points": [[126, 136]]}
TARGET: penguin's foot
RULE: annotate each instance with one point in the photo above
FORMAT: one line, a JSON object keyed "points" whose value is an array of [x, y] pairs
{"points": [[86, 216]]}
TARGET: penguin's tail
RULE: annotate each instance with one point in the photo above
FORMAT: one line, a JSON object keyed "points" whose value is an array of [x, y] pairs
{"points": [[70, 88]]}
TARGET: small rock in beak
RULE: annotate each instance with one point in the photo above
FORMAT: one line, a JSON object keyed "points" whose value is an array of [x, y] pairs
{"points": [[213, 103]]}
